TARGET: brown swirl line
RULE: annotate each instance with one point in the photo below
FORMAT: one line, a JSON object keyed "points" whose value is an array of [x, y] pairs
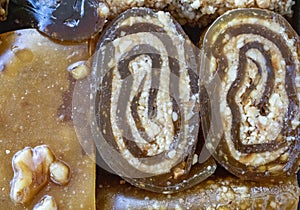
{"points": [[290, 89], [104, 96]]}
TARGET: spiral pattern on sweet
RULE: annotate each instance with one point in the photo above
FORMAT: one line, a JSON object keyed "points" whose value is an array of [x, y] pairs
{"points": [[146, 98], [252, 65]]}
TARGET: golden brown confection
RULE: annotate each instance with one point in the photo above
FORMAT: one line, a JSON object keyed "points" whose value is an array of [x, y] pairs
{"points": [[34, 88], [250, 69], [145, 104], [48, 159], [197, 12], [222, 191]]}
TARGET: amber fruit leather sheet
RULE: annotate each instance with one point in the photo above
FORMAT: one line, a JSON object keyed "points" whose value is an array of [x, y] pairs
{"points": [[35, 91]]}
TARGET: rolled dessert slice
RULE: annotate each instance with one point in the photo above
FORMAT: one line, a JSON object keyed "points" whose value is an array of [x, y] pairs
{"points": [[250, 93], [219, 191], [144, 103]]}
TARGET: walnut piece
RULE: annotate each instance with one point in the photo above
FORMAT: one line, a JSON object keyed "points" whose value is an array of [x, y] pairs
{"points": [[46, 203], [31, 172], [79, 70], [32, 168], [59, 173], [3, 9]]}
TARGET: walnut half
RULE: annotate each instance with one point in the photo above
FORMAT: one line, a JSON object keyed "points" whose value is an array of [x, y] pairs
{"points": [[32, 168]]}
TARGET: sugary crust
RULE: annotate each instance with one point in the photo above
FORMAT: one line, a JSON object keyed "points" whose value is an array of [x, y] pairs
{"points": [[217, 192], [196, 12]]}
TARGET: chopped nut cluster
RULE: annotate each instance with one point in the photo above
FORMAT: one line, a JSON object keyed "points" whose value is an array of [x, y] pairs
{"points": [[32, 168], [46, 203], [216, 192], [197, 12]]}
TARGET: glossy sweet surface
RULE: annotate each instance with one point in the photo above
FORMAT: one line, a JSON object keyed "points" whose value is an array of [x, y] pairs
{"points": [[111, 191], [144, 103], [66, 20], [220, 191], [34, 85], [250, 70]]}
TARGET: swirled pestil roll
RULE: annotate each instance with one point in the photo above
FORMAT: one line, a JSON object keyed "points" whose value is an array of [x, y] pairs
{"points": [[144, 102], [251, 84]]}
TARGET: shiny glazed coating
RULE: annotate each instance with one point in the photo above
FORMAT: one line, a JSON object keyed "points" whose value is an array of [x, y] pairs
{"points": [[147, 199], [34, 90], [145, 109], [61, 20], [220, 191], [78, 20], [250, 71]]}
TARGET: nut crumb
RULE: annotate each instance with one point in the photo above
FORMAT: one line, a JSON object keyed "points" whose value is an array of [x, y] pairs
{"points": [[178, 172], [59, 173], [122, 182], [46, 203], [79, 70]]}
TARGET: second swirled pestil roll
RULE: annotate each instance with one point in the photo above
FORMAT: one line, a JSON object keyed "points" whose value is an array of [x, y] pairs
{"points": [[145, 103], [251, 91]]}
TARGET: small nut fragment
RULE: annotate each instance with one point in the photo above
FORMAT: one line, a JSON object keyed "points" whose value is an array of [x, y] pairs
{"points": [[79, 70], [31, 172], [103, 10], [178, 172], [46, 203], [59, 173], [3, 9], [264, 4]]}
